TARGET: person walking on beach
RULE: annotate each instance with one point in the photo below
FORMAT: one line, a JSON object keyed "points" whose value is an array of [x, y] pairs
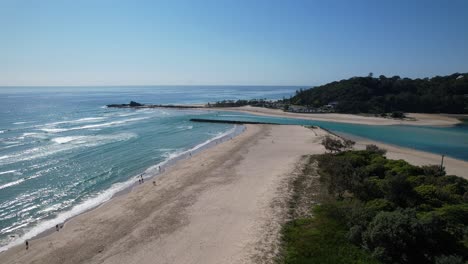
{"points": [[57, 227], [27, 245]]}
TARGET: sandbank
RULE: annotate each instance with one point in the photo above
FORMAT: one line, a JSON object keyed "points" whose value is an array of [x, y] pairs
{"points": [[416, 119]]}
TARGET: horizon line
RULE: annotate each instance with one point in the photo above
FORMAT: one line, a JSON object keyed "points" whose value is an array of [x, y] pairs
{"points": [[149, 85]]}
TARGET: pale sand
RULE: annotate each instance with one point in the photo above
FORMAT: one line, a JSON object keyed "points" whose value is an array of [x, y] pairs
{"points": [[413, 118], [415, 157], [217, 207]]}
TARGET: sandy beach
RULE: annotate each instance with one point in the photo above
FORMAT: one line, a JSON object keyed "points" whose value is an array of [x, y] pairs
{"points": [[416, 119], [222, 205]]}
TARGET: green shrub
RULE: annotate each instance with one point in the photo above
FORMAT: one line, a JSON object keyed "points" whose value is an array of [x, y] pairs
{"points": [[377, 205], [375, 149], [321, 239], [452, 259], [399, 191], [429, 194], [393, 236]]}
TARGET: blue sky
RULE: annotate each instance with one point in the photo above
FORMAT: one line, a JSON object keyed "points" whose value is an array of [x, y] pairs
{"points": [[236, 42]]}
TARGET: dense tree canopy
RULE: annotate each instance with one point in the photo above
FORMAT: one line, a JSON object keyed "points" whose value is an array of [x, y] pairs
{"points": [[447, 94], [398, 212]]}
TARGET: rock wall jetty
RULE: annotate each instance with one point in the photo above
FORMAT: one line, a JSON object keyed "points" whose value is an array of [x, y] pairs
{"points": [[133, 104], [238, 122]]}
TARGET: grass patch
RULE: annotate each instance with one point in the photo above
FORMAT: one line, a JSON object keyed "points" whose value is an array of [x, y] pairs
{"points": [[321, 239]]}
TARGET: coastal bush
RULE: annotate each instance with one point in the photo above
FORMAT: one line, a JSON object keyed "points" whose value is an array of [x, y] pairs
{"points": [[440, 94], [375, 149], [389, 210], [393, 236], [398, 114], [335, 145], [452, 259]]}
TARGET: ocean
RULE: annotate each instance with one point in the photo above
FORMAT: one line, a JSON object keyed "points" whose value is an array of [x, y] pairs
{"points": [[62, 152]]}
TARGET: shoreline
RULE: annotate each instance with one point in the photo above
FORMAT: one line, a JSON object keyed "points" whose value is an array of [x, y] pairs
{"points": [[453, 166], [420, 118], [203, 193], [151, 173]]}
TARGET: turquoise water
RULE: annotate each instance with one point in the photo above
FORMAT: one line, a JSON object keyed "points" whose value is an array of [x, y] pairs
{"points": [[62, 152], [450, 141]]}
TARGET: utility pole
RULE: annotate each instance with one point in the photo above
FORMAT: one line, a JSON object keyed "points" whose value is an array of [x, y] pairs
{"points": [[442, 164]]}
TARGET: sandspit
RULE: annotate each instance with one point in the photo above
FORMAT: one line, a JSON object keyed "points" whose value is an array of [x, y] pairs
{"points": [[413, 118]]}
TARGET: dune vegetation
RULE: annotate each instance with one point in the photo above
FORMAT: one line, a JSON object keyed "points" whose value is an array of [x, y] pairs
{"points": [[377, 210]]}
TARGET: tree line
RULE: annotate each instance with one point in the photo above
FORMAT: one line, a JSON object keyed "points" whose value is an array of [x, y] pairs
{"points": [[440, 94]]}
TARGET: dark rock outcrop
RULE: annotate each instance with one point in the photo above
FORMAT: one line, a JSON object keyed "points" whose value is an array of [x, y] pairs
{"points": [[131, 104]]}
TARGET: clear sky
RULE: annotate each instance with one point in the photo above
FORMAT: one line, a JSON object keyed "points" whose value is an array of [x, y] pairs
{"points": [[271, 42]]}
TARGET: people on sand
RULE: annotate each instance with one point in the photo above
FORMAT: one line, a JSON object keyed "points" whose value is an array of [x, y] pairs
{"points": [[57, 227], [154, 183], [27, 245]]}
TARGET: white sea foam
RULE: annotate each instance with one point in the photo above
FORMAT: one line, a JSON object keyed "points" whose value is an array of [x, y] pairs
{"points": [[7, 172], [63, 140], [4, 157], [125, 114], [76, 210], [23, 122], [80, 120], [50, 127], [10, 142], [104, 196], [185, 127], [2, 131], [34, 135], [113, 123], [9, 145], [13, 183], [88, 119], [29, 134], [54, 130], [64, 144]]}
